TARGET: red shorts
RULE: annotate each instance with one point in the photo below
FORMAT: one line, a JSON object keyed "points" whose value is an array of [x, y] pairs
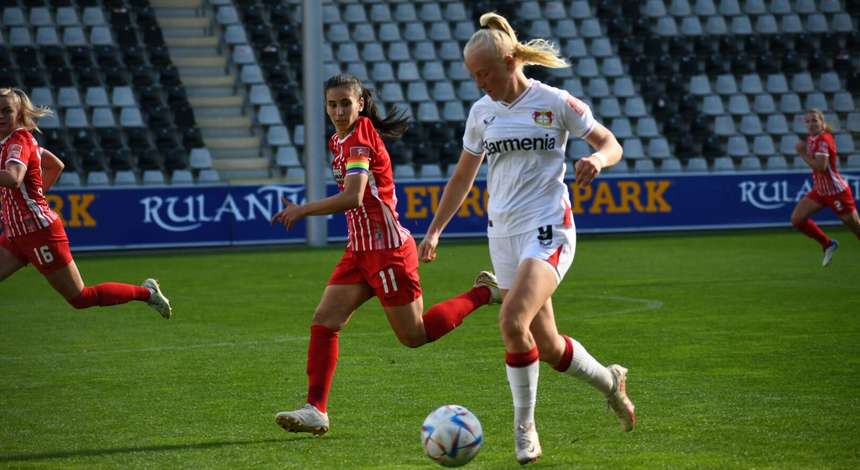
{"points": [[47, 249], [392, 274], [841, 203]]}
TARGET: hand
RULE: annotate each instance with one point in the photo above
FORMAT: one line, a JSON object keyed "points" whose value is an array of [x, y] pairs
{"points": [[427, 248], [289, 215], [587, 169], [800, 148]]}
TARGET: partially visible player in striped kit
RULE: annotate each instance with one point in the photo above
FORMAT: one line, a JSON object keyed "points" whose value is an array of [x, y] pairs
{"points": [[829, 188], [380, 259], [33, 233]]}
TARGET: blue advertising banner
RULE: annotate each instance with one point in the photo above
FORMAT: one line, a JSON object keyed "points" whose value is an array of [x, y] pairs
{"points": [[172, 216]]}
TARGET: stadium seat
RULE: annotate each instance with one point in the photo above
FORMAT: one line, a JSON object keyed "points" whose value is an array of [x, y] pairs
{"points": [[737, 147], [789, 103], [208, 176], [843, 102], [659, 148], [670, 165], [763, 104], [724, 125], [97, 178], [750, 164], [388, 32], [816, 101], [633, 150], [712, 105], [152, 178], [844, 143], [723, 164], [700, 85], [750, 125], [621, 128], [776, 125], [763, 146], [697, 164]]}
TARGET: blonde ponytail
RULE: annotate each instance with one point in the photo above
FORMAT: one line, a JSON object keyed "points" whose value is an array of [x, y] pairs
{"points": [[498, 35], [27, 112]]}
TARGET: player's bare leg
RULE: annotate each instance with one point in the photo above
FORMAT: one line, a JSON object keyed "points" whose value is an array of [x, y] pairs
{"points": [[415, 327], [9, 263], [67, 281], [533, 285], [852, 221], [331, 315]]}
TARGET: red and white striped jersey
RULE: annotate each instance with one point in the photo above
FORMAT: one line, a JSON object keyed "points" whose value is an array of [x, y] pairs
{"points": [[24, 209], [374, 225], [829, 181]]}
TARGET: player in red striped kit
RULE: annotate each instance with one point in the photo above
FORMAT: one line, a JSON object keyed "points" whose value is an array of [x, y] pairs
{"points": [[380, 259], [33, 233], [829, 188]]}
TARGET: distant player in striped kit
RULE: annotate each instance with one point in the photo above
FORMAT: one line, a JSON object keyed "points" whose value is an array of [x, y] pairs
{"points": [[380, 259], [521, 127], [33, 233], [829, 188]]}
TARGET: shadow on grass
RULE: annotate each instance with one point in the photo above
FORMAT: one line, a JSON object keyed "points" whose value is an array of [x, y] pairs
{"points": [[157, 448]]}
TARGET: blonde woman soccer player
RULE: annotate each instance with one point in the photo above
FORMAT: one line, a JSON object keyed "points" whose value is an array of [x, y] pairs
{"points": [[829, 188], [380, 259], [33, 233], [521, 126]]}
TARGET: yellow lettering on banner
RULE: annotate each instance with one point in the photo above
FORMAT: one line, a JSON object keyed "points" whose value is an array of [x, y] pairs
{"points": [[79, 215], [580, 194], [56, 204], [603, 197], [473, 200], [434, 191], [415, 208], [656, 201], [631, 193]]}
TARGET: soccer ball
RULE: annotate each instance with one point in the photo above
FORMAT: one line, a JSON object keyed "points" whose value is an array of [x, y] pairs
{"points": [[451, 436]]}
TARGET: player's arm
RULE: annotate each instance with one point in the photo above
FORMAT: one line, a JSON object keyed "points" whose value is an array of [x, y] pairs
{"points": [[452, 198], [608, 153], [816, 161], [13, 175], [350, 198], [51, 168]]}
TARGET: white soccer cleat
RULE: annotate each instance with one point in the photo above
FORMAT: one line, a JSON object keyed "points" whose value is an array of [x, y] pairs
{"points": [[618, 401], [828, 253], [488, 280], [157, 300], [305, 419], [527, 442]]}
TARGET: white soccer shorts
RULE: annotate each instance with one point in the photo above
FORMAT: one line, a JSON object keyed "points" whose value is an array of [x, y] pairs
{"points": [[554, 244]]}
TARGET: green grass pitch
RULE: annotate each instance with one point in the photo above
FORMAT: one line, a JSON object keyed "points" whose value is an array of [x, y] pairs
{"points": [[743, 353]]}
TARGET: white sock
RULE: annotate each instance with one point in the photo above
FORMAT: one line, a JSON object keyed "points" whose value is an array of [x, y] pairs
{"points": [[586, 367], [524, 382]]}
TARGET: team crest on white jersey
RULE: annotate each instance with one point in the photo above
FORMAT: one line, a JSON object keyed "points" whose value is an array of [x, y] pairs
{"points": [[542, 118]]}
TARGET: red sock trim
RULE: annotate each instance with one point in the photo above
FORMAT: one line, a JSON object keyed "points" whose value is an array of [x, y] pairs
{"points": [[109, 293], [449, 314], [813, 231], [566, 357], [522, 359], [322, 362]]}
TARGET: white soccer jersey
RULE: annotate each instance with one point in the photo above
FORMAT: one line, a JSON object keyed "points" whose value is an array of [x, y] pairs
{"points": [[524, 143]]}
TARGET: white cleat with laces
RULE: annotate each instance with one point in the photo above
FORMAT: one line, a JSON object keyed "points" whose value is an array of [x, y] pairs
{"points": [[828, 253], [488, 280], [305, 419], [157, 300], [618, 401], [527, 442]]}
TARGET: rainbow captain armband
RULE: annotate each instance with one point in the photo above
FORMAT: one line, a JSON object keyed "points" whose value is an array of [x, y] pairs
{"points": [[358, 161]]}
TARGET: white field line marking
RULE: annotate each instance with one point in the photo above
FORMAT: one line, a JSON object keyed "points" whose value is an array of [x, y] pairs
{"points": [[644, 305]]}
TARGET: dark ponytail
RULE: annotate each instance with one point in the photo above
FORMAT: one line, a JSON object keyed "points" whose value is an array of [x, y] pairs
{"points": [[394, 125]]}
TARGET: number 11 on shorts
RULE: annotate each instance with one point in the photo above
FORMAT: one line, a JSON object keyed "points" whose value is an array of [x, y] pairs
{"points": [[44, 255], [388, 280]]}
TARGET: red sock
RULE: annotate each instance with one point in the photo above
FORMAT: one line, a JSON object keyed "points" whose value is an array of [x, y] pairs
{"points": [[566, 357], [811, 230], [447, 315], [109, 293], [522, 359], [322, 360]]}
